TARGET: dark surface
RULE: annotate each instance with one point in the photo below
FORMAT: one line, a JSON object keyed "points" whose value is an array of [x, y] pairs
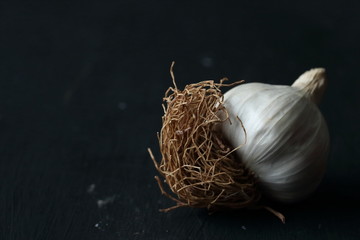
{"points": [[81, 85]]}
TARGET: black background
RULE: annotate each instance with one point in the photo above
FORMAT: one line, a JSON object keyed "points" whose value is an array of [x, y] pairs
{"points": [[81, 86]]}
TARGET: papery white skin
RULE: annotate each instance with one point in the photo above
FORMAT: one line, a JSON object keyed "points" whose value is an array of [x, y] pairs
{"points": [[287, 139]]}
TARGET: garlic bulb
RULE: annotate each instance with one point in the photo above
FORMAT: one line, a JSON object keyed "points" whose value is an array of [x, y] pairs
{"points": [[277, 132], [286, 138]]}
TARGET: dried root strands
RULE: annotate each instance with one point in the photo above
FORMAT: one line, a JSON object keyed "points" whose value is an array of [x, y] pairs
{"points": [[197, 164]]}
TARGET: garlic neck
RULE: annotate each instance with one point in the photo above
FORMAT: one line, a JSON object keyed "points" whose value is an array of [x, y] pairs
{"points": [[312, 83]]}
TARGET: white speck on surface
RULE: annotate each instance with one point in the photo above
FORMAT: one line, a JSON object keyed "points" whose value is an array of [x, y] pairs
{"points": [[243, 227], [103, 202], [106, 221], [102, 225], [207, 62], [319, 226], [122, 105], [91, 188]]}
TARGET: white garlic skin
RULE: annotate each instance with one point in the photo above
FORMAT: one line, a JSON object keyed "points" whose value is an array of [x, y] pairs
{"points": [[287, 140]]}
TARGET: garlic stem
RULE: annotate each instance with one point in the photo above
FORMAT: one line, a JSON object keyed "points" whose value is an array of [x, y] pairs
{"points": [[312, 83]]}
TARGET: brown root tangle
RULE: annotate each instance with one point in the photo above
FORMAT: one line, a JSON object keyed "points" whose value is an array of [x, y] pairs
{"points": [[198, 165]]}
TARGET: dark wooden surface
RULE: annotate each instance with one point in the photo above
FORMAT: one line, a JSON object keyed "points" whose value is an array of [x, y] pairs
{"points": [[81, 85]]}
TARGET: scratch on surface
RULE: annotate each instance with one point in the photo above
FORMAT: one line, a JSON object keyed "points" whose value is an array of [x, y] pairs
{"points": [[91, 188], [103, 202], [201, 228]]}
